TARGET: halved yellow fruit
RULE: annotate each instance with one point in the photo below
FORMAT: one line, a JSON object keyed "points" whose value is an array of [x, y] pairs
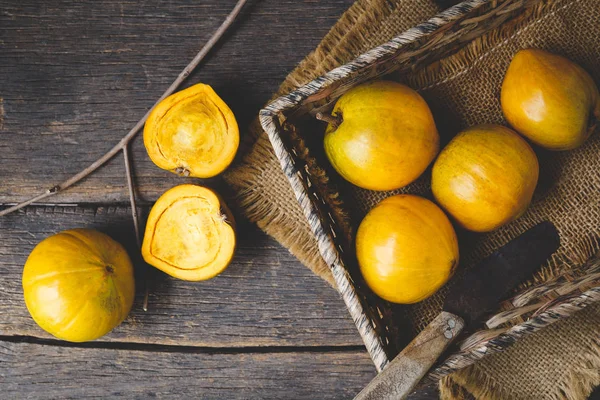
{"points": [[192, 133], [190, 234]]}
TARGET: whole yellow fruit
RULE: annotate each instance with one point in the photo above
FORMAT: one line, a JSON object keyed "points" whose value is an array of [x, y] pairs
{"points": [[549, 99], [385, 137], [485, 177], [78, 284], [406, 248]]}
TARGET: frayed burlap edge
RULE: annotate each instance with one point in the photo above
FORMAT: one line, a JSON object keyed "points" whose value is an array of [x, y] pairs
{"points": [[584, 373], [577, 384]]}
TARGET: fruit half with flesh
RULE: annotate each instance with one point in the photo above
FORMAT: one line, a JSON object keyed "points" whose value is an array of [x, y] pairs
{"points": [[192, 133], [190, 234]]}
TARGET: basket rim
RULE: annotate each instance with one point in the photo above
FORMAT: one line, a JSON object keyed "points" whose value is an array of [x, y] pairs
{"points": [[272, 117], [288, 101], [270, 120]]}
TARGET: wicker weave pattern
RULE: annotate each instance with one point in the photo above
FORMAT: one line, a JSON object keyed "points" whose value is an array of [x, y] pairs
{"points": [[416, 48]]}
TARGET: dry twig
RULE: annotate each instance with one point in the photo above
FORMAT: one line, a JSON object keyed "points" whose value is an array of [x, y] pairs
{"points": [[134, 215], [124, 142]]}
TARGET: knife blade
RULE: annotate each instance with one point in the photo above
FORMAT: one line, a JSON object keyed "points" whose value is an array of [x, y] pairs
{"points": [[481, 288], [471, 296]]}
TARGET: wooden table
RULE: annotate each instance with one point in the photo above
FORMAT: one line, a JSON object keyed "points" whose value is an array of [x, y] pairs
{"points": [[74, 77]]}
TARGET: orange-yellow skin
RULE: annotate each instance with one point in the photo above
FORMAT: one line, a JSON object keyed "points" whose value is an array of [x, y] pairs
{"points": [[549, 99], [387, 138], [192, 133], [190, 234], [485, 177], [406, 249], [78, 284]]}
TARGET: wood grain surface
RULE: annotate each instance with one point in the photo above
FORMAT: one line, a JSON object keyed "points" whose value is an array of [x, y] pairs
{"points": [[74, 77], [265, 297], [67, 372]]}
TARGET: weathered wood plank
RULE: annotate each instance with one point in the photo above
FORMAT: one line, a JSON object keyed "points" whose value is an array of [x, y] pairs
{"points": [[55, 372], [265, 297], [76, 75]]}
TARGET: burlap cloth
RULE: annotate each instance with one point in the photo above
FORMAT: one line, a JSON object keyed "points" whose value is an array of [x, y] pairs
{"points": [[559, 362]]}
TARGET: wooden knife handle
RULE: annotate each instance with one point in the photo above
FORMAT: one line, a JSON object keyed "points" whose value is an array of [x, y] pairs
{"points": [[401, 376]]}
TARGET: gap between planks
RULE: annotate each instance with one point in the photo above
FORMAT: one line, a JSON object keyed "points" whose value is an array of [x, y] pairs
{"points": [[162, 348]]}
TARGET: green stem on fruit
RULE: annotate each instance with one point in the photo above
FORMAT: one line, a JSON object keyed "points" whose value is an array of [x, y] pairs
{"points": [[335, 120]]}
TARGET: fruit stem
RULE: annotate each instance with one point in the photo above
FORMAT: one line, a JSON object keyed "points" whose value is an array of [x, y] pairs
{"points": [[182, 171], [335, 120]]}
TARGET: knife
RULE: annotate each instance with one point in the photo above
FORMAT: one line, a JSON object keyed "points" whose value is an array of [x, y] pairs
{"points": [[471, 296]]}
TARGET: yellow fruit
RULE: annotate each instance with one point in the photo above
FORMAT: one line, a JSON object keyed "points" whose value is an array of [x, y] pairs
{"points": [[192, 133], [189, 234], [385, 136], [78, 284], [485, 177], [550, 99], [406, 249]]}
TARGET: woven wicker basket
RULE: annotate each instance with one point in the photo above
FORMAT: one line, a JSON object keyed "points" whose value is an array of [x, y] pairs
{"points": [[289, 116]]}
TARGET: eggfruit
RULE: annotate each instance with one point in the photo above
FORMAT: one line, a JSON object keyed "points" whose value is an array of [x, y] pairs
{"points": [[382, 136], [190, 234], [406, 248], [78, 284], [550, 100], [485, 177], [192, 133]]}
